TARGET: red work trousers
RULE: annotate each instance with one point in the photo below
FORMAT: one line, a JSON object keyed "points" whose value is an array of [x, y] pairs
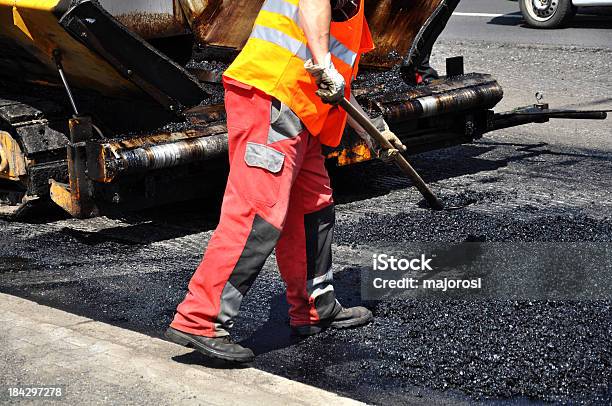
{"points": [[278, 194]]}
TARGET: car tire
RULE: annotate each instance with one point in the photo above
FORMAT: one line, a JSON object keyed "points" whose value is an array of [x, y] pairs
{"points": [[547, 13]]}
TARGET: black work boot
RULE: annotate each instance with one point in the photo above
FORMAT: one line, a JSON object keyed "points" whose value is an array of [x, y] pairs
{"points": [[346, 318], [214, 347]]}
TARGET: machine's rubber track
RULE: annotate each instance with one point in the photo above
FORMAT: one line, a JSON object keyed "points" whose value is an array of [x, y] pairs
{"points": [[39, 127]]}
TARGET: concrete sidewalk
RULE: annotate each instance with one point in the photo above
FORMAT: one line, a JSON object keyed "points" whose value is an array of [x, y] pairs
{"points": [[97, 363]]}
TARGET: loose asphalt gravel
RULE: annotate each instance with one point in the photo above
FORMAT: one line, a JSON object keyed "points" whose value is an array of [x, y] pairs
{"points": [[537, 183]]}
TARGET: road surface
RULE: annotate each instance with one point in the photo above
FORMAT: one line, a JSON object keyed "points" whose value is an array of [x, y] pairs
{"points": [[501, 21], [545, 182]]}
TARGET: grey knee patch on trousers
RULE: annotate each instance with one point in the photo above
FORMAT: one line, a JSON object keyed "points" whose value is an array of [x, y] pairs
{"points": [[284, 123], [231, 298], [258, 247]]}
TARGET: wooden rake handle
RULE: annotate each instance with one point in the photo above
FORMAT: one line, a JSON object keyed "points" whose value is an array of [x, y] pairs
{"points": [[399, 159]]}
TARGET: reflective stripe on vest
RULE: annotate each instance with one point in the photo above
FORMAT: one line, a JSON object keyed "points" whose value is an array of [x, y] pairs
{"points": [[283, 40], [282, 7]]}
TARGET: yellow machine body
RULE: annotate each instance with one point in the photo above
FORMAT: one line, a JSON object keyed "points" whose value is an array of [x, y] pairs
{"points": [[30, 32]]}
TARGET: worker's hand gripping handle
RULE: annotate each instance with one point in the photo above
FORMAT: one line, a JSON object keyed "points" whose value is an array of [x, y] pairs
{"points": [[330, 82], [399, 160]]}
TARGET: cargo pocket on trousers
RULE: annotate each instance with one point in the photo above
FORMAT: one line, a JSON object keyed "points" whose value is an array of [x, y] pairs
{"points": [[284, 123], [263, 186]]}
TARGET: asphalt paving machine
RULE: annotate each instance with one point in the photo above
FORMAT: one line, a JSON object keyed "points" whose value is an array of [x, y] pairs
{"points": [[117, 105]]}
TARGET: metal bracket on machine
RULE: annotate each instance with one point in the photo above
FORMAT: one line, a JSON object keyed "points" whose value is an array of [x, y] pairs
{"points": [[77, 196], [540, 113], [157, 75]]}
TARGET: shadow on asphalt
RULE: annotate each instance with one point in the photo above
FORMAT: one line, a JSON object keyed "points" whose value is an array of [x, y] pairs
{"points": [[358, 182], [531, 149], [275, 333], [603, 103], [373, 179]]}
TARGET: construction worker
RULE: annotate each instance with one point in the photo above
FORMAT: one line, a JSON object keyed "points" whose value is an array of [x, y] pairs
{"points": [[420, 70], [425, 73], [279, 96]]}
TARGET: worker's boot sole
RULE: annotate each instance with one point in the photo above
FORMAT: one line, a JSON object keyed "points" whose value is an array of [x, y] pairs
{"points": [[309, 330], [185, 340]]}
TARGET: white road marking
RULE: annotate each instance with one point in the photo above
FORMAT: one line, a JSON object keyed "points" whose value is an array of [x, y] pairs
{"points": [[456, 13]]}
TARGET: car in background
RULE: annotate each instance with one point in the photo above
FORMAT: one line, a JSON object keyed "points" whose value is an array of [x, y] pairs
{"points": [[554, 13]]}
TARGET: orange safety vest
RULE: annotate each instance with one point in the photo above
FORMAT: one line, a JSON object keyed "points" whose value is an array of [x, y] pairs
{"points": [[273, 59]]}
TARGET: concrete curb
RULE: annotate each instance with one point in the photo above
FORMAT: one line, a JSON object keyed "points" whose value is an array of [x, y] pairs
{"points": [[99, 363]]}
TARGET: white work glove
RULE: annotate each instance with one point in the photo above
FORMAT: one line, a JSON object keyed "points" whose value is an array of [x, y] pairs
{"points": [[330, 81], [388, 155]]}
